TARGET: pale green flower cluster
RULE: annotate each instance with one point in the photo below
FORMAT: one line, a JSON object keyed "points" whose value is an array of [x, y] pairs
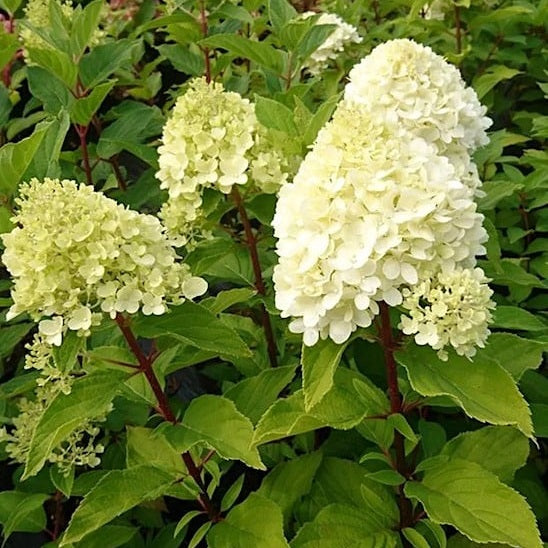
{"points": [[212, 140], [450, 308], [342, 35], [76, 255], [38, 15], [78, 449], [379, 208]]}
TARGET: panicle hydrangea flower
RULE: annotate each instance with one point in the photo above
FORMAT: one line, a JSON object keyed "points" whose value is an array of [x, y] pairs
{"points": [[450, 308], [78, 449], [204, 144], [367, 213], [415, 90], [37, 14], [343, 34], [213, 140], [77, 254]]}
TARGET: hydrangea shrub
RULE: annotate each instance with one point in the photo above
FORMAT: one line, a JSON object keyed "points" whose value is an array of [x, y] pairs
{"points": [[272, 273]]}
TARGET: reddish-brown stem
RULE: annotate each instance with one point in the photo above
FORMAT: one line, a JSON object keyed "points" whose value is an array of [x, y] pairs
{"points": [[458, 29], [118, 173], [251, 242], [145, 365], [57, 515], [387, 341], [82, 133], [376, 10], [205, 50]]}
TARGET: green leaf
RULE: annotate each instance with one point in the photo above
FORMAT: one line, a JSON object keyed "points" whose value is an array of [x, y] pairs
{"points": [[474, 501], [342, 407], [57, 63], [539, 412], [319, 363], [491, 77], [136, 123], [500, 449], [108, 536], [21, 512], [275, 115], [45, 162], [483, 389], [226, 299], [115, 493], [82, 110], [19, 385], [232, 493], [386, 477], [11, 335], [512, 317], [259, 52], [183, 59], [320, 118], [215, 421], [10, 5], [194, 324], [65, 356], [185, 520], [415, 538], [14, 159], [63, 482], [8, 46], [280, 12], [289, 481], [514, 353], [97, 65], [200, 534], [84, 24], [460, 541], [313, 39], [90, 397], [146, 446], [256, 522], [254, 395], [341, 525]]}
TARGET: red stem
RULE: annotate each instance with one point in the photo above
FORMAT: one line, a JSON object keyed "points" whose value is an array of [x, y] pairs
{"points": [[82, 133], [458, 33], [205, 50], [251, 241], [145, 365], [387, 341]]}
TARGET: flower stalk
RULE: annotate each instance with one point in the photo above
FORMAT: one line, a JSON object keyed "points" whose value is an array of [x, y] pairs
{"points": [[145, 366]]}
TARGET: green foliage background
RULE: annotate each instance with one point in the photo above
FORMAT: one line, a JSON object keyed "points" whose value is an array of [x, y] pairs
{"points": [[302, 452]]}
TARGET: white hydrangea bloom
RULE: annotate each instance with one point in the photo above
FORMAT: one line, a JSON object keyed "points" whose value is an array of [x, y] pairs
{"points": [[411, 88], [368, 213], [77, 254], [436, 9], [449, 309], [204, 144], [213, 140], [343, 34]]}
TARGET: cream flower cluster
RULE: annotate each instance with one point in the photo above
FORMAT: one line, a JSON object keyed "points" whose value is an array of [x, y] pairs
{"points": [[451, 308], [343, 34], [37, 14], [375, 210], [77, 254], [411, 88], [78, 449], [212, 140]]}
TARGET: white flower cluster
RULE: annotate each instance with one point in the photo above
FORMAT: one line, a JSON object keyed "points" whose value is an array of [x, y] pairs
{"points": [[77, 254], [412, 89], [450, 308], [373, 211], [343, 34], [38, 15], [212, 140], [78, 449]]}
